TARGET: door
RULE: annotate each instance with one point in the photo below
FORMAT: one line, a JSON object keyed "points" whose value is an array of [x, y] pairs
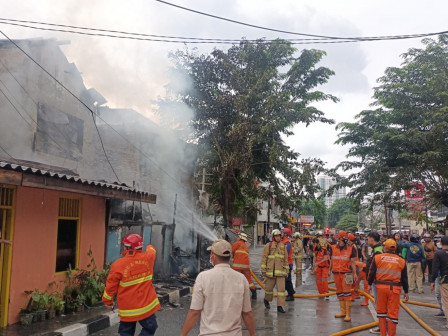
{"points": [[6, 233]]}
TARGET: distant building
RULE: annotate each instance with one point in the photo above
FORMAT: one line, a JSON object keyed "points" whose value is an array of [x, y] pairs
{"points": [[325, 182]]}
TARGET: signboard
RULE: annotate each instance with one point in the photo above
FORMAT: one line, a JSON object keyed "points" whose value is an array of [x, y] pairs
{"points": [[307, 224], [306, 219], [415, 197]]}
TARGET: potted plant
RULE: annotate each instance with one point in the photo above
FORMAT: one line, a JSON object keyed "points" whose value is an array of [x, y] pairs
{"points": [[79, 302], [26, 317], [40, 304]]}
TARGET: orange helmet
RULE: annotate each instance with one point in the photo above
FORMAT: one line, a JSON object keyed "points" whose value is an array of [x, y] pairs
{"points": [[134, 241], [342, 234], [351, 236]]}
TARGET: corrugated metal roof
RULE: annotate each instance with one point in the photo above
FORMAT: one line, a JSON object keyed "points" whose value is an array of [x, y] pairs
{"points": [[73, 178]]}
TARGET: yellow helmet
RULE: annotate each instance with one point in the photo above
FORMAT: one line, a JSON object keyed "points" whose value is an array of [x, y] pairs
{"points": [[242, 236]]}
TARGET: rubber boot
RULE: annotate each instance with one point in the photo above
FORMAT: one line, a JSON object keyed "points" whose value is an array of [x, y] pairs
{"points": [[266, 304], [254, 294], [343, 310], [280, 309], [366, 301], [348, 311]]}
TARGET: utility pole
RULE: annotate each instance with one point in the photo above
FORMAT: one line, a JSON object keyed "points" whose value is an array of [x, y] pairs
{"points": [[387, 213]]}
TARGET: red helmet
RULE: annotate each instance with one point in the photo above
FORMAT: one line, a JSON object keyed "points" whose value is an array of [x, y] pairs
{"points": [[351, 236], [287, 231], [342, 234], [134, 241]]}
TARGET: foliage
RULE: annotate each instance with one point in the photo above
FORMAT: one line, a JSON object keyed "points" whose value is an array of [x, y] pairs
{"points": [[348, 222], [314, 208], [245, 100], [37, 301], [91, 282], [340, 207], [403, 140]]}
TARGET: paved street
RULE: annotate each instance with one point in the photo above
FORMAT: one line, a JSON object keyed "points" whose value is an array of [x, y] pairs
{"points": [[312, 316]]}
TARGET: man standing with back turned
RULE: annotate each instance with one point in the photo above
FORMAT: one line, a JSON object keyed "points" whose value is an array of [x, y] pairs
{"points": [[130, 278], [221, 297]]}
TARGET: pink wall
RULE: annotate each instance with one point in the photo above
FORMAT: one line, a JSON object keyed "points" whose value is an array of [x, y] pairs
{"points": [[35, 235]]}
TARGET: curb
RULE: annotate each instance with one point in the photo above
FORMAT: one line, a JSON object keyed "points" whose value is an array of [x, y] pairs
{"points": [[103, 321]]}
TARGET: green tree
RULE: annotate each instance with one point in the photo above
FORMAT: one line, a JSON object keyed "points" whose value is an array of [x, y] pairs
{"points": [[340, 207], [316, 208], [404, 139], [245, 100], [348, 222]]}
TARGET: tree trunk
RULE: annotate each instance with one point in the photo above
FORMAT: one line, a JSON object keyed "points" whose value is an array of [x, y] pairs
{"points": [[228, 197]]}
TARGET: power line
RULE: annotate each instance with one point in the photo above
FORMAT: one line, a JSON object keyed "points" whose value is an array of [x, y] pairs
{"points": [[71, 93], [6, 152], [299, 34], [197, 40]]}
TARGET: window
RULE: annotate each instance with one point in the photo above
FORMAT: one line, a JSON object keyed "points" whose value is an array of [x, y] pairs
{"points": [[68, 234]]}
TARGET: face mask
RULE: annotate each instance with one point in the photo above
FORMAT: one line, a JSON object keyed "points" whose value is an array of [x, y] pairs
{"points": [[211, 262], [439, 245]]}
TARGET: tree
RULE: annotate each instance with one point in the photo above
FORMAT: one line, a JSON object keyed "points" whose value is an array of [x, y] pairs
{"points": [[404, 139], [340, 207], [314, 208], [245, 99], [348, 222]]}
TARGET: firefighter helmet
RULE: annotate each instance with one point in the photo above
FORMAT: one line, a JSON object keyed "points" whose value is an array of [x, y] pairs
{"points": [[351, 236], [133, 241], [287, 231], [297, 234], [242, 236], [342, 234], [276, 232], [414, 238]]}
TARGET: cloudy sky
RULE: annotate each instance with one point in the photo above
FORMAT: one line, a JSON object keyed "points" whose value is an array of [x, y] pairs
{"points": [[131, 74]]}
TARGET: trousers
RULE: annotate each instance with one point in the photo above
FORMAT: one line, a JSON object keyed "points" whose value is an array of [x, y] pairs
{"points": [[322, 279], [343, 290], [387, 308], [246, 273], [278, 282], [288, 283], [149, 327], [415, 276]]}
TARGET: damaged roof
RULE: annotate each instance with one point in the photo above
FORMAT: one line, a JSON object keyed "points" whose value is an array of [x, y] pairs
{"points": [[37, 169]]}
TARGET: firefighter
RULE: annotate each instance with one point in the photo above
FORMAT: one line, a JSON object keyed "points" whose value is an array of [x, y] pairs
{"points": [[130, 277], [286, 233], [343, 264], [389, 273], [355, 287], [321, 267], [322, 240], [241, 263], [274, 266], [297, 248]]}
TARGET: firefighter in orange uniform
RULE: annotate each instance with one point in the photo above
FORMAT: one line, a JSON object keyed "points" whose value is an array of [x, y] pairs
{"points": [[389, 272], [362, 277], [130, 278], [321, 267], [355, 287], [241, 262], [343, 266]]}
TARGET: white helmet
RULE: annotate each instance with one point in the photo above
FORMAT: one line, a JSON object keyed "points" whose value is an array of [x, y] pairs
{"points": [[319, 233], [242, 236], [276, 232], [297, 234]]}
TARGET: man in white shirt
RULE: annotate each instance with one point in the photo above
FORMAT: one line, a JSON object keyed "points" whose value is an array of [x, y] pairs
{"points": [[221, 296]]}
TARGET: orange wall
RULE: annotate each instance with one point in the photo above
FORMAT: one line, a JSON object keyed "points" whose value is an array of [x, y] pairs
{"points": [[35, 235]]}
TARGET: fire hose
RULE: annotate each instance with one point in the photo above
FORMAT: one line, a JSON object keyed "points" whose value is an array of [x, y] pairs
{"points": [[370, 297]]}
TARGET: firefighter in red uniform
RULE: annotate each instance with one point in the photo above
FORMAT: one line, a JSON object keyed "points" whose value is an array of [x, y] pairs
{"points": [[241, 262], [130, 278], [343, 266], [321, 267], [389, 272]]}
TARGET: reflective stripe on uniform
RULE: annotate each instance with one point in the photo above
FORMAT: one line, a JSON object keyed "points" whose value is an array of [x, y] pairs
{"points": [[140, 311], [269, 292], [281, 294], [107, 296], [279, 255], [240, 265], [392, 319], [271, 256], [279, 273], [263, 266], [389, 271], [241, 251], [340, 258], [134, 282], [270, 274]]}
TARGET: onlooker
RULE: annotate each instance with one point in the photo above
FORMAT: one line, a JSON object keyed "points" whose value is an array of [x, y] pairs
{"points": [[286, 233], [440, 265], [130, 277], [221, 297], [437, 241], [414, 258], [429, 248]]}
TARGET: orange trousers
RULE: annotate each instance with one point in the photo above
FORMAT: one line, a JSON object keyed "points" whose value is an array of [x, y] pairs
{"points": [[355, 286], [322, 279], [246, 273], [343, 290], [387, 308]]}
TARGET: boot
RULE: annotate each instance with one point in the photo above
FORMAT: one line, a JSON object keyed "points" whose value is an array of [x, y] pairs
{"points": [[280, 309], [342, 306], [290, 298], [348, 311], [266, 304], [254, 294], [366, 301]]}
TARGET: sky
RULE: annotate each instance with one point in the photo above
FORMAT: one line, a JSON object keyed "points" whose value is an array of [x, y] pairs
{"points": [[133, 74]]}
